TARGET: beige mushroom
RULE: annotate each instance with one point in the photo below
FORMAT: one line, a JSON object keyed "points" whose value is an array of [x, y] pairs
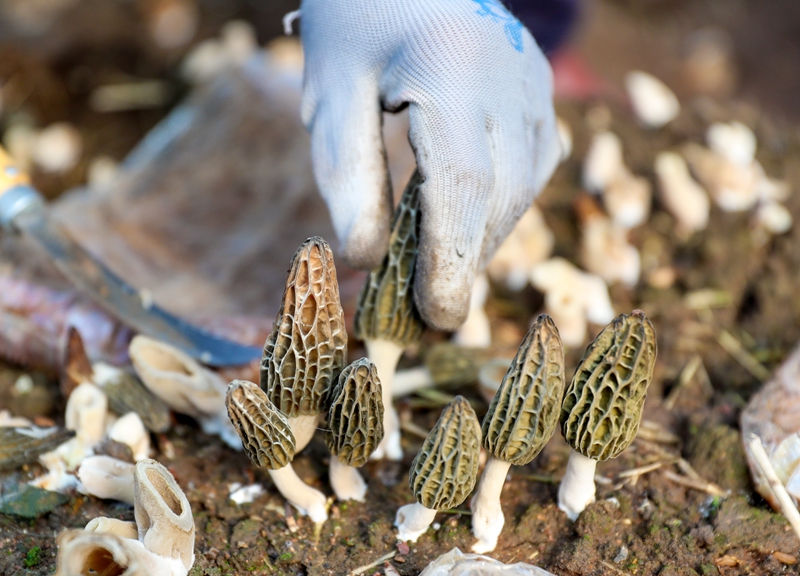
{"points": [[444, 471], [107, 477], [307, 348], [387, 319], [521, 419], [603, 403], [184, 385], [654, 104], [682, 196]]}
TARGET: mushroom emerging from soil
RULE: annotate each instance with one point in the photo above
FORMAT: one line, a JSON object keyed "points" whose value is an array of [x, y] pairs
{"points": [[355, 427], [387, 319], [307, 348], [521, 419], [270, 443], [603, 404], [444, 471]]}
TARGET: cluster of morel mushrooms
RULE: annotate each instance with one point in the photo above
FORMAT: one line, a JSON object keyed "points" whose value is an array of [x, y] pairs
{"points": [[305, 380]]}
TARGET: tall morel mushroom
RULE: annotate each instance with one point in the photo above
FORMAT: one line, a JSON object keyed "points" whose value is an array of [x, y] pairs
{"points": [[307, 348], [387, 319], [603, 403], [355, 427], [269, 442], [444, 471], [521, 419]]}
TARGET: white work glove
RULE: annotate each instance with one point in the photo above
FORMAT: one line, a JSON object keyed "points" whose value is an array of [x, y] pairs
{"points": [[482, 125]]}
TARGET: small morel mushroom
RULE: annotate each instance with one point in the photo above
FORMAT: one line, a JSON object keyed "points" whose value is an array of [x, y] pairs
{"points": [[21, 445], [269, 442], [446, 365], [444, 471], [307, 348], [355, 427], [521, 419], [387, 319], [603, 403]]}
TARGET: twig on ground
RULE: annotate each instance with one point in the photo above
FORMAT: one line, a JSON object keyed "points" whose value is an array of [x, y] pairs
{"points": [[686, 376], [654, 432], [633, 474], [733, 347], [378, 562], [778, 489], [411, 428], [699, 485]]}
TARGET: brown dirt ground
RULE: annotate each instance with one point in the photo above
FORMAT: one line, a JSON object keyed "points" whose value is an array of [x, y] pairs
{"points": [[645, 527]]}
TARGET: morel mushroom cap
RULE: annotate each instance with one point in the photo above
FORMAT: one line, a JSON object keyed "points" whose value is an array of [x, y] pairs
{"points": [[355, 415], [521, 419], [308, 345], [266, 435], [24, 444], [386, 308], [603, 404], [445, 470], [524, 412]]}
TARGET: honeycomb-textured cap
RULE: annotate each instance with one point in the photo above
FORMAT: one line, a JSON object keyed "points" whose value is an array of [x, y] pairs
{"points": [[386, 308], [525, 409], [355, 415], [266, 435], [446, 467], [603, 403], [308, 345], [126, 393], [452, 365]]}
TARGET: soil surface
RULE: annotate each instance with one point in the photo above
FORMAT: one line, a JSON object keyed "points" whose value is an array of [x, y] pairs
{"points": [[731, 283]]}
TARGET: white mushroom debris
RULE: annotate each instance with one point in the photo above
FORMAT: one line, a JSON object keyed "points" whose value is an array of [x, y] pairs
{"points": [[605, 250], [57, 148], [603, 161], [529, 243], [476, 331], [159, 543], [654, 104], [682, 196], [237, 44], [573, 298], [107, 477], [184, 385]]}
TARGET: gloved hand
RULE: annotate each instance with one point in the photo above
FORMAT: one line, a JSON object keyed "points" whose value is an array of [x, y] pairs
{"points": [[482, 126]]}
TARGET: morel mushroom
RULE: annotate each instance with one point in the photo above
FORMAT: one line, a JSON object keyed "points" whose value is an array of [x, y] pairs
{"points": [[603, 404], [269, 442], [446, 365], [521, 419], [355, 427], [387, 319], [307, 348], [444, 471]]}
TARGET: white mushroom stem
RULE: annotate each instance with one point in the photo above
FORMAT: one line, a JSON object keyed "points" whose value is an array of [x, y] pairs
{"points": [[346, 482], [577, 488], [308, 501], [487, 514], [303, 428], [385, 354], [86, 414], [107, 477], [476, 331], [778, 489], [410, 380], [412, 521]]}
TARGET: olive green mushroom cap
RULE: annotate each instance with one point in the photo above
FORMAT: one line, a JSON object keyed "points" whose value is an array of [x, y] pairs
{"points": [[603, 404], [452, 365], [355, 416], [266, 435], [445, 469], [524, 412], [308, 345], [386, 308]]}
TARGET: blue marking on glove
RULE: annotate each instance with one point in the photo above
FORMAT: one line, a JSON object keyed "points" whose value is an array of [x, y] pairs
{"points": [[513, 27]]}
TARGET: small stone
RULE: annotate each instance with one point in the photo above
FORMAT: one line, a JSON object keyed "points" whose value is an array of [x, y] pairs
{"points": [[31, 502], [403, 548], [622, 555]]}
